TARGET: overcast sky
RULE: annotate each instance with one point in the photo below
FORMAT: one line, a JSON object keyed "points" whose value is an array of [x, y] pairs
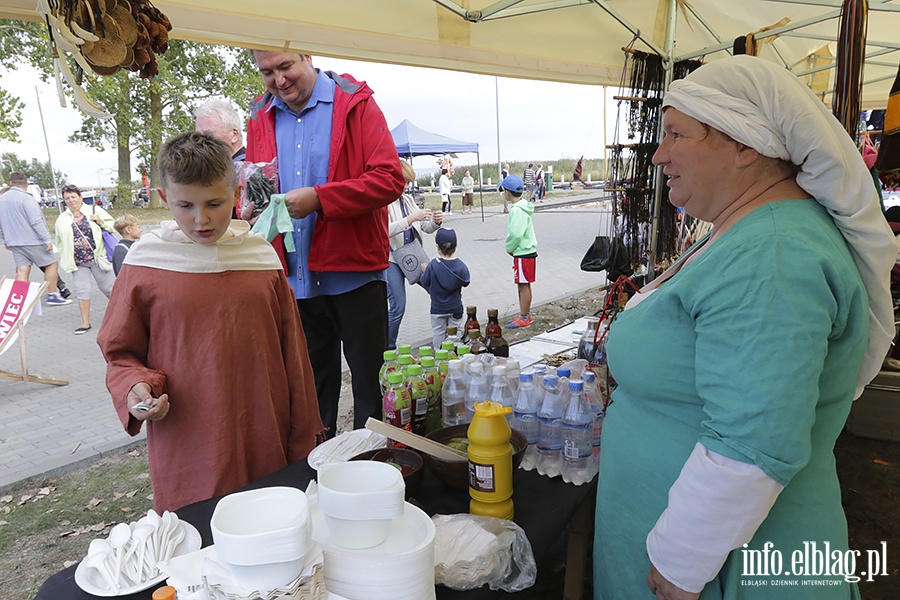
{"points": [[539, 121]]}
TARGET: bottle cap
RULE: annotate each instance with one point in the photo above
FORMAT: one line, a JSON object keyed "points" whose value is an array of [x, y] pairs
{"points": [[417, 370], [395, 377], [560, 372], [463, 350], [405, 359], [390, 355], [471, 309], [426, 351], [526, 377], [498, 371], [550, 380], [491, 409], [455, 365], [588, 376], [427, 361], [452, 330], [492, 313], [167, 592], [404, 349], [442, 355], [574, 386], [447, 345]]}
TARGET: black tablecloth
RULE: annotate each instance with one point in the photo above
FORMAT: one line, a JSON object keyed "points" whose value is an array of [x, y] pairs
{"points": [[543, 507]]}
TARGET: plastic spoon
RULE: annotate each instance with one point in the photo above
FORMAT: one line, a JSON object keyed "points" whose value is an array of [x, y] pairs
{"points": [[118, 538], [141, 536], [98, 553]]}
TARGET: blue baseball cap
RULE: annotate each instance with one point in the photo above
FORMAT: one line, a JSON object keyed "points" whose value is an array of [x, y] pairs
{"points": [[445, 235], [513, 183]]}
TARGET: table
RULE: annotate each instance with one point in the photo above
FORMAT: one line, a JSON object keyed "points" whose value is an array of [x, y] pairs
{"points": [[543, 508]]}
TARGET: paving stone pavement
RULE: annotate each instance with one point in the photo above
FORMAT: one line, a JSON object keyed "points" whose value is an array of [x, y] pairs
{"points": [[49, 430]]}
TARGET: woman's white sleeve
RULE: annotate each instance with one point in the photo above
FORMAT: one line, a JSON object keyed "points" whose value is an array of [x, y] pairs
{"points": [[715, 506]]}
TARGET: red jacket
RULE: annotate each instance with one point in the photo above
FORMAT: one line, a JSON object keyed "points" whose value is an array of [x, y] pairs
{"points": [[364, 176]]}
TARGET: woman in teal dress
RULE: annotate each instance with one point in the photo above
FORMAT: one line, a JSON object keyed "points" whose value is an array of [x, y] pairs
{"points": [[737, 367]]}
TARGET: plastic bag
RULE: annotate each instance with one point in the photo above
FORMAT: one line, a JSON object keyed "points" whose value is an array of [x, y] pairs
{"points": [[471, 551], [256, 182]]}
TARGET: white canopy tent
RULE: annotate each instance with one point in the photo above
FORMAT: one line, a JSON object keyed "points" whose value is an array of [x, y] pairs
{"points": [[576, 41]]}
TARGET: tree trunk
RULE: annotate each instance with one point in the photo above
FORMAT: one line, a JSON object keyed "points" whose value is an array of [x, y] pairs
{"points": [[123, 147], [155, 140]]}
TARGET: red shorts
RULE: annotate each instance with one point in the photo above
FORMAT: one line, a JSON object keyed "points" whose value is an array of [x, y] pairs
{"points": [[524, 269]]}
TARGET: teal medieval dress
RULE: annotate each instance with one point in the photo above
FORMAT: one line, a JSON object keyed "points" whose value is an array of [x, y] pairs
{"points": [[752, 349]]}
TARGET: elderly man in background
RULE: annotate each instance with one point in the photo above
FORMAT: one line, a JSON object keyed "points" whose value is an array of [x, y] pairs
{"points": [[219, 119], [338, 168], [25, 234]]}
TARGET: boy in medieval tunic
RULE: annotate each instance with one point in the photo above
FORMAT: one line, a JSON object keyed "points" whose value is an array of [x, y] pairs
{"points": [[191, 298]]}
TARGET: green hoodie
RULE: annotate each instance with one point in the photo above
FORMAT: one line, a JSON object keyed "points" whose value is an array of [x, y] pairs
{"points": [[520, 240]]}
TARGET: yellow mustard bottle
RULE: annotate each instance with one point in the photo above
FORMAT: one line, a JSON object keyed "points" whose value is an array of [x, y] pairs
{"points": [[490, 461]]}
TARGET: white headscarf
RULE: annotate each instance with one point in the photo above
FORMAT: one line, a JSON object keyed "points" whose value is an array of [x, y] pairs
{"points": [[769, 109]]}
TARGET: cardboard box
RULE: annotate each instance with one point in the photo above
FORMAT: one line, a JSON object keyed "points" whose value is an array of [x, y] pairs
{"points": [[876, 415]]}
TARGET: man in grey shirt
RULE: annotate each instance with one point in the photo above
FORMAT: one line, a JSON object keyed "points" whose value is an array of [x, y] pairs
{"points": [[25, 233]]}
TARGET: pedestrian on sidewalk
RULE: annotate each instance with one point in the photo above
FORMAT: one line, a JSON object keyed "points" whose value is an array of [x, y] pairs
{"points": [[443, 279], [203, 340], [79, 236], [521, 244], [468, 184], [446, 185], [25, 234]]}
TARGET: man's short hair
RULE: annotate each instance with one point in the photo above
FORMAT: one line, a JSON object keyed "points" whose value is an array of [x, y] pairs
{"points": [[70, 188], [194, 157], [125, 221], [222, 110], [18, 178]]}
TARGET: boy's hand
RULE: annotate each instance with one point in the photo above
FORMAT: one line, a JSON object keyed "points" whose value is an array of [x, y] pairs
{"points": [[143, 406]]}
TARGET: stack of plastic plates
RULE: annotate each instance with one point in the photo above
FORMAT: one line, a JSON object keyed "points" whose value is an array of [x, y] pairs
{"points": [[399, 568]]}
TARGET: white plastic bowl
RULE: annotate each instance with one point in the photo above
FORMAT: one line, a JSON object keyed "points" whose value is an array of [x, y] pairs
{"points": [[263, 535], [359, 499]]}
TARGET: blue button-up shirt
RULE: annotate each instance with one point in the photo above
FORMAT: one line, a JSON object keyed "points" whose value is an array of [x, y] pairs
{"points": [[304, 144]]}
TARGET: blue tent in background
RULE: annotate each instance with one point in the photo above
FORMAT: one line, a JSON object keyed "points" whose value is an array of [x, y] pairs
{"points": [[412, 141]]}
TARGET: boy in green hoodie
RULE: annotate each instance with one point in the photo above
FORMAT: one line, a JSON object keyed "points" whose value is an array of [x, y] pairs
{"points": [[521, 245]]}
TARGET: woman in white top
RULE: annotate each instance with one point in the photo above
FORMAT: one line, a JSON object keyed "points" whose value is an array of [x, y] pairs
{"points": [[403, 216]]}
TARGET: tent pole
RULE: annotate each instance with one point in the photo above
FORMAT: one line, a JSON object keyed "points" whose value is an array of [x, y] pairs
{"points": [[480, 185], [669, 63]]}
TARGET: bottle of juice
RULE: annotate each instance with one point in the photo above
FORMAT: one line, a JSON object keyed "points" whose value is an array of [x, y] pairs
{"points": [[404, 362], [494, 341], [390, 365], [404, 350], [450, 348], [434, 381], [490, 462], [442, 362], [396, 403], [418, 393], [425, 351]]}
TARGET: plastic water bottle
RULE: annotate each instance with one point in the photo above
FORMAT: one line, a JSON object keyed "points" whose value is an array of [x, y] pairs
{"points": [[513, 370], [525, 419], [564, 376], [592, 393], [501, 392], [549, 444], [477, 389], [453, 395], [577, 434]]}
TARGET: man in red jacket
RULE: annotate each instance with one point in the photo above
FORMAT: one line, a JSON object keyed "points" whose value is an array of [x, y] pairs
{"points": [[339, 169]]}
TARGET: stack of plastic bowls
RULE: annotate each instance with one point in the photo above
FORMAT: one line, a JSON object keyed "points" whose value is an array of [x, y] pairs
{"points": [[360, 562], [359, 499], [263, 535]]}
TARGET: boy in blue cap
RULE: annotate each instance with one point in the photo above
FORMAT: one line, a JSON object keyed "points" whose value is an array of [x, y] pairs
{"points": [[521, 244], [443, 279]]}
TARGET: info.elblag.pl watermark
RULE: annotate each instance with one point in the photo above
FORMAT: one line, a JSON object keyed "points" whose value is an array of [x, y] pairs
{"points": [[814, 564]]}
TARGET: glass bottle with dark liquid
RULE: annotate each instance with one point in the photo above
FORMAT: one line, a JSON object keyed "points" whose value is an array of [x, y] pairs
{"points": [[476, 346], [493, 333], [471, 323]]}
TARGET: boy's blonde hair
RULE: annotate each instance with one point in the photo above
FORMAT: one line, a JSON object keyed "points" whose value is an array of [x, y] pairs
{"points": [[194, 157], [125, 221]]}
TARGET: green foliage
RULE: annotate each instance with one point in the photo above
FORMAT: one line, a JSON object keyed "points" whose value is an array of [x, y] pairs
{"points": [[10, 116], [38, 172]]}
